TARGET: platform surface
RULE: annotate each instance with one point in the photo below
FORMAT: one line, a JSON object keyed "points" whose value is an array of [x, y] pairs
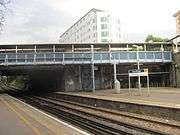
{"points": [[168, 97], [17, 118]]}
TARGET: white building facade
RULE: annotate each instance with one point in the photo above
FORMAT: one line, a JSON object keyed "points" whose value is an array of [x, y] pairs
{"points": [[177, 16], [96, 26]]}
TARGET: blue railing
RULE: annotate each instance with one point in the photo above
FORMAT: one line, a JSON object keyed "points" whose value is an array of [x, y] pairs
{"points": [[84, 57]]}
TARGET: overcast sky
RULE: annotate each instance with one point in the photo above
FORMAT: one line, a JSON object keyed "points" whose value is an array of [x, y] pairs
{"points": [[42, 21]]}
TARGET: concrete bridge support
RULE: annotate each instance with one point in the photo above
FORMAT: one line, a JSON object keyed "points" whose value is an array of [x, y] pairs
{"points": [[175, 71], [79, 77]]}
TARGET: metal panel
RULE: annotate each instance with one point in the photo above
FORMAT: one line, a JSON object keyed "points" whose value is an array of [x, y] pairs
{"points": [[84, 57]]}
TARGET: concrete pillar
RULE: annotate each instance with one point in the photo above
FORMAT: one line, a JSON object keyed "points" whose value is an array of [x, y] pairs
{"points": [[175, 70]]}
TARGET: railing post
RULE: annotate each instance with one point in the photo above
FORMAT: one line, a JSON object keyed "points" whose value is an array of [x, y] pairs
{"points": [[16, 57], [54, 51], [44, 57], [170, 55], [16, 53], [6, 59], [127, 52], [54, 48], [72, 48], [54, 57], [25, 58], [35, 53], [35, 57], [144, 47], [162, 53]]}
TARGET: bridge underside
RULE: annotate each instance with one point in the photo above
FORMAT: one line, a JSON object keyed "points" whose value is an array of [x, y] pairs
{"points": [[79, 77]]}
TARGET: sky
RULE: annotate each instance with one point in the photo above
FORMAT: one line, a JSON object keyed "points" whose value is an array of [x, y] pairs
{"points": [[43, 21]]}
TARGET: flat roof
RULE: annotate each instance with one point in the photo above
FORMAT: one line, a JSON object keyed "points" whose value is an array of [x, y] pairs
{"points": [[79, 45]]}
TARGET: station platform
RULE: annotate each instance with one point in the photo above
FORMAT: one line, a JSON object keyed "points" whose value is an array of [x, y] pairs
{"points": [[18, 118], [163, 103], [164, 96]]}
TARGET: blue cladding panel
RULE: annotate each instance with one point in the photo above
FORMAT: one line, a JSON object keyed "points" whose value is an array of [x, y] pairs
{"points": [[49, 56], [142, 55], [21, 58], [149, 55], [30, 57], [80, 57], [115, 56], [105, 56], [158, 55], [2, 58], [123, 55], [167, 55], [58, 57], [97, 56], [132, 55], [40, 57], [11, 57]]}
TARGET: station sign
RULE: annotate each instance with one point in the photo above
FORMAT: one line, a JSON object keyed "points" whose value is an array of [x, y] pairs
{"points": [[138, 72]]}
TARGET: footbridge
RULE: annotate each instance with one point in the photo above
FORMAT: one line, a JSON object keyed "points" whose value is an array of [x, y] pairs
{"points": [[40, 54], [85, 66]]}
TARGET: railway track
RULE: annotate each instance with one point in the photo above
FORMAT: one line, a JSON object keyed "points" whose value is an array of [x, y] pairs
{"points": [[118, 113], [89, 120]]}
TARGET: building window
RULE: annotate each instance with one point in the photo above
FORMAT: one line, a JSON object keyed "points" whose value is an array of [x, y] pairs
{"points": [[104, 40], [104, 26], [104, 19], [94, 35], [94, 27], [94, 20], [104, 33]]}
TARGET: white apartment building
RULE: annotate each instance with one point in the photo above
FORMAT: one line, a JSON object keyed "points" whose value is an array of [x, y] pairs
{"points": [[96, 26], [177, 16], [176, 40]]}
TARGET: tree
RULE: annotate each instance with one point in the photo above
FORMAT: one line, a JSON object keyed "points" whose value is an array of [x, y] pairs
{"points": [[3, 9], [151, 38]]}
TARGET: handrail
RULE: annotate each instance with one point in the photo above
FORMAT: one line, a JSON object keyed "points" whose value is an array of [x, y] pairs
{"points": [[84, 57]]}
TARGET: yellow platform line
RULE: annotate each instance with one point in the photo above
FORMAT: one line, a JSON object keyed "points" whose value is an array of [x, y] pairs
{"points": [[25, 111], [22, 118]]}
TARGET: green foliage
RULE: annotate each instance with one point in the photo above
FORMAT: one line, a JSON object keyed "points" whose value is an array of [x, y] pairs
{"points": [[17, 81], [151, 38]]}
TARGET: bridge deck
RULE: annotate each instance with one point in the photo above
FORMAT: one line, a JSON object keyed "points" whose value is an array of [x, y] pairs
{"points": [[84, 57], [97, 53]]}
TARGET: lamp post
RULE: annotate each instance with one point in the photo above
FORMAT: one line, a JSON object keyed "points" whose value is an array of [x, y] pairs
{"points": [[138, 65]]}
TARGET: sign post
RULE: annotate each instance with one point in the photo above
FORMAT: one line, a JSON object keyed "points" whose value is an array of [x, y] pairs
{"points": [[138, 73]]}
